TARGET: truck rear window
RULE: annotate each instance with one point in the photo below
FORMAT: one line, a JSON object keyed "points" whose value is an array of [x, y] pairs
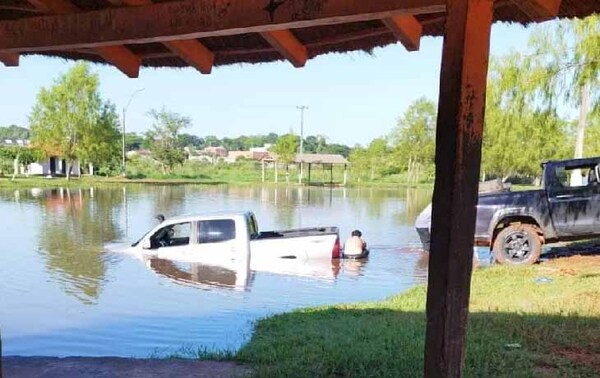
{"points": [[215, 231]]}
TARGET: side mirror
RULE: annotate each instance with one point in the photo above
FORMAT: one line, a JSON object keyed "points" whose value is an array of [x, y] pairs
{"points": [[146, 244]]}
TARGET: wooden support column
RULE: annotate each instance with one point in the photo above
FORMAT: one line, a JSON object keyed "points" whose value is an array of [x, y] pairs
{"points": [[309, 167], [263, 170], [345, 174], [458, 158]]}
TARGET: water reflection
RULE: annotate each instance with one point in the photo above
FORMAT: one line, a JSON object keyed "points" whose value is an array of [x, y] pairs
{"points": [[200, 275], [72, 238]]}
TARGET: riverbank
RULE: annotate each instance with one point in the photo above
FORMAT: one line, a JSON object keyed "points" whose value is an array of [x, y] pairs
{"points": [[541, 320], [89, 181]]}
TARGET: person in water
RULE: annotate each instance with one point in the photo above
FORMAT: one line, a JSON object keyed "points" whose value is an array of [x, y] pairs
{"points": [[423, 226], [355, 245]]}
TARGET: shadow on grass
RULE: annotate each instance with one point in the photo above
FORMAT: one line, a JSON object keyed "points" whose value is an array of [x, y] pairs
{"points": [[381, 342], [583, 248]]}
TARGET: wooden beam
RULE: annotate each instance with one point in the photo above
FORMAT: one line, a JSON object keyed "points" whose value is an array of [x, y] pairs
{"points": [[54, 6], [119, 56], [122, 58], [195, 19], [194, 53], [465, 57], [539, 10], [407, 29], [288, 46], [9, 59], [191, 51]]}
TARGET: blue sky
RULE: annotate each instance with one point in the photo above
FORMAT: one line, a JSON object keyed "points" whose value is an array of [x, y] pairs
{"points": [[352, 98]]}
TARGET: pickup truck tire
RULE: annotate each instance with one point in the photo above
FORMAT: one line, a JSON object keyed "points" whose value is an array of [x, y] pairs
{"points": [[517, 244]]}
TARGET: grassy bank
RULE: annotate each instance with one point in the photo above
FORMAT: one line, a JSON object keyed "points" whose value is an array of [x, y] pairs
{"points": [[518, 328]]}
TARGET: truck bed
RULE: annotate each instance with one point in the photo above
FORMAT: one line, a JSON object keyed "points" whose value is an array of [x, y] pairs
{"points": [[296, 233]]}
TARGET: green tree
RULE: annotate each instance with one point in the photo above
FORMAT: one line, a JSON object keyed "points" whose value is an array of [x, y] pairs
{"points": [[413, 138], [14, 132], [100, 141], [285, 149], [567, 59], [164, 136], [66, 117], [519, 131]]}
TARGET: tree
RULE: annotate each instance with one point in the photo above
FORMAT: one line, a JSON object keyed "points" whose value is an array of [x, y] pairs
{"points": [[414, 137], [567, 59], [68, 117], [164, 136], [285, 149], [14, 132], [519, 132], [100, 142]]}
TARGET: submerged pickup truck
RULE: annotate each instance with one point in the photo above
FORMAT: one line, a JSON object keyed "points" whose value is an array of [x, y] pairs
{"points": [[233, 240], [516, 224]]}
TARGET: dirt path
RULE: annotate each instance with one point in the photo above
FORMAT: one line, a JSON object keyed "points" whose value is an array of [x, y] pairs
{"points": [[112, 367]]}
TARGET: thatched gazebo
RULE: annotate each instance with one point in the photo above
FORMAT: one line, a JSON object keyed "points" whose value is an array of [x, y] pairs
{"points": [[201, 33]]}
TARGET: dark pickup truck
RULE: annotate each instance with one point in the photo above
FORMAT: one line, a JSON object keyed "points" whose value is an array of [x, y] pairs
{"points": [[566, 208]]}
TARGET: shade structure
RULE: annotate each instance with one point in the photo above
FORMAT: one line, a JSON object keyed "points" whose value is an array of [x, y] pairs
{"points": [[206, 33], [203, 33]]}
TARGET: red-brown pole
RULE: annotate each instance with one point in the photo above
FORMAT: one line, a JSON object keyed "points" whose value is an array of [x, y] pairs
{"points": [[458, 158]]}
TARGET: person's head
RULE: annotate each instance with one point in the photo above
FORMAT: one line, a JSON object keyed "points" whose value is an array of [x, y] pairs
{"points": [[160, 218], [356, 233]]}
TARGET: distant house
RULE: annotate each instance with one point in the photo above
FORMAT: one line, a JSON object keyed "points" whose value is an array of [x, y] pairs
{"points": [[217, 152], [14, 142], [52, 166], [233, 156]]}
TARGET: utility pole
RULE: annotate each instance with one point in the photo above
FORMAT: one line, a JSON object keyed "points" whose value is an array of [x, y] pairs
{"points": [[123, 161], [302, 108]]}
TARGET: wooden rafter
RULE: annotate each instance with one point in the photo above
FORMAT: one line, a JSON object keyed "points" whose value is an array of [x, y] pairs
{"points": [[539, 10], [191, 51], [195, 19], [9, 59], [194, 53], [119, 56], [286, 43], [407, 30]]}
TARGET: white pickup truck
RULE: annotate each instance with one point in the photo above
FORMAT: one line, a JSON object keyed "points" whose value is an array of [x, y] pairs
{"points": [[233, 240]]}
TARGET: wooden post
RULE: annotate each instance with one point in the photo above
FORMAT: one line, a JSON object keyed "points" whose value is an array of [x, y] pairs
{"points": [[276, 172], [309, 166], [330, 174], [345, 174], [458, 158], [263, 170]]}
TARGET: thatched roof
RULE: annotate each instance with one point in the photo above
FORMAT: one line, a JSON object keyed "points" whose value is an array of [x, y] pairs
{"points": [[243, 47], [320, 159]]}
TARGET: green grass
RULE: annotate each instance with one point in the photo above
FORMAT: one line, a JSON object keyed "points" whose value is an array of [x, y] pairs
{"points": [[556, 326]]}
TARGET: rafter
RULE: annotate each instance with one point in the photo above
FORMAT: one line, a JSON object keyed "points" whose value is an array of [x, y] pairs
{"points": [[119, 56], [9, 59], [195, 19], [286, 43], [194, 53], [539, 10], [407, 29], [191, 51]]}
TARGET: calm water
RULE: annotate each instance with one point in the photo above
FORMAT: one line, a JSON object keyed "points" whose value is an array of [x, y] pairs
{"points": [[63, 291]]}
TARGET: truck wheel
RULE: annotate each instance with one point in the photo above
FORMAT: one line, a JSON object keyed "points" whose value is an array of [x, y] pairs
{"points": [[518, 244]]}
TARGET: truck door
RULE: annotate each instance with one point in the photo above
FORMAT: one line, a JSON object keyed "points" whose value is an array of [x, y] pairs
{"points": [[574, 199], [217, 242]]}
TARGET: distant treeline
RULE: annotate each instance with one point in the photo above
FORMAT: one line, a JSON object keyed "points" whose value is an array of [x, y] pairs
{"points": [[312, 144]]}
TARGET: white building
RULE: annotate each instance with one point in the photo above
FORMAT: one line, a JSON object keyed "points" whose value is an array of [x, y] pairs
{"points": [[53, 166]]}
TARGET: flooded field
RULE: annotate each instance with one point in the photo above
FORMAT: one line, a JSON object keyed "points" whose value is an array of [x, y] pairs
{"points": [[64, 291]]}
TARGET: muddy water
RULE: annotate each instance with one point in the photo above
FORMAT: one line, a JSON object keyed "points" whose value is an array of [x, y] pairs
{"points": [[63, 291]]}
